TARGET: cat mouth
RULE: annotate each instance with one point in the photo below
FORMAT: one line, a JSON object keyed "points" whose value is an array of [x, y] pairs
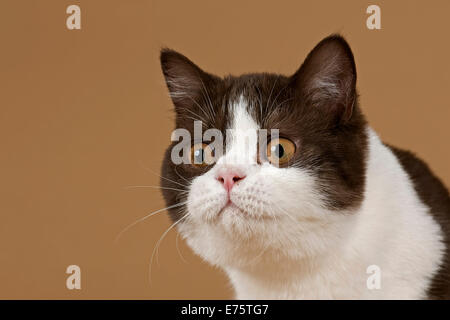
{"points": [[233, 209]]}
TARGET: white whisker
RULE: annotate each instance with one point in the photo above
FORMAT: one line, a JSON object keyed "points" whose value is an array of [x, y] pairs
{"points": [[270, 95], [286, 213], [155, 187], [147, 216], [176, 171], [178, 249], [156, 249], [161, 176], [195, 114], [208, 99]]}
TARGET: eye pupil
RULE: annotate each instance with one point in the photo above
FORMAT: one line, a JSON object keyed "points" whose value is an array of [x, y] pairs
{"points": [[199, 155], [280, 151], [277, 150]]}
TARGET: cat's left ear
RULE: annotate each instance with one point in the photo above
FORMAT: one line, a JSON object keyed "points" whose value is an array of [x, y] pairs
{"points": [[327, 79], [186, 82]]}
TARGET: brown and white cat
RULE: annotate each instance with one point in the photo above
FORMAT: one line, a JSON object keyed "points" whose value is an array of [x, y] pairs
{"points": [[328, 199]]}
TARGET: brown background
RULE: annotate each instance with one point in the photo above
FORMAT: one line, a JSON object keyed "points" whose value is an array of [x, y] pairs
{"points": [[84, 114]]}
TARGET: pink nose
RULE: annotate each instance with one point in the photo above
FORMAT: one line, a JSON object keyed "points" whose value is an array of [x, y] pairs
{"points": [[229, 178]]}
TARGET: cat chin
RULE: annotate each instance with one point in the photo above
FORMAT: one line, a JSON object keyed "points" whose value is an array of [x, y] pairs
{"points": [[222, 252], [242, 242]]}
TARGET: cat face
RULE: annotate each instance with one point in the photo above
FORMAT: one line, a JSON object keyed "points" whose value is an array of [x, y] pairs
{"points": [[292, 195]]}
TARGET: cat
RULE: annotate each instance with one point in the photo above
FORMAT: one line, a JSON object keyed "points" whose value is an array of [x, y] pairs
{"points": [[306, 217]]}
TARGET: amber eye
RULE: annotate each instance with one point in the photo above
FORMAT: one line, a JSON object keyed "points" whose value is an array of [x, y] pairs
{"points": [[280, 151], [201, 155]]}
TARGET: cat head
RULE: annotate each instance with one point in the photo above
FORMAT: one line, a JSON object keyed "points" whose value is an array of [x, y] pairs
{"points": [[292, 195]]}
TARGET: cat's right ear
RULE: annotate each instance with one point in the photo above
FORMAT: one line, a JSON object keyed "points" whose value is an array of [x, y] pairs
{"points": [[187, 83]]}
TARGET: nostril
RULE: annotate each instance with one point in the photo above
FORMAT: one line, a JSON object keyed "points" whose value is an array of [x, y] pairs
{"points": [[229, 179]]}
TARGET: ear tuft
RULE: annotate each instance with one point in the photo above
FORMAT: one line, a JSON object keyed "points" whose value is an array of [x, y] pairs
{"points": [[184, 79], [327, 78]]}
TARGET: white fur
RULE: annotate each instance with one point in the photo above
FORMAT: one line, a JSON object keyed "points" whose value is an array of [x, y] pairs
{"points": [[279, 241]]}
